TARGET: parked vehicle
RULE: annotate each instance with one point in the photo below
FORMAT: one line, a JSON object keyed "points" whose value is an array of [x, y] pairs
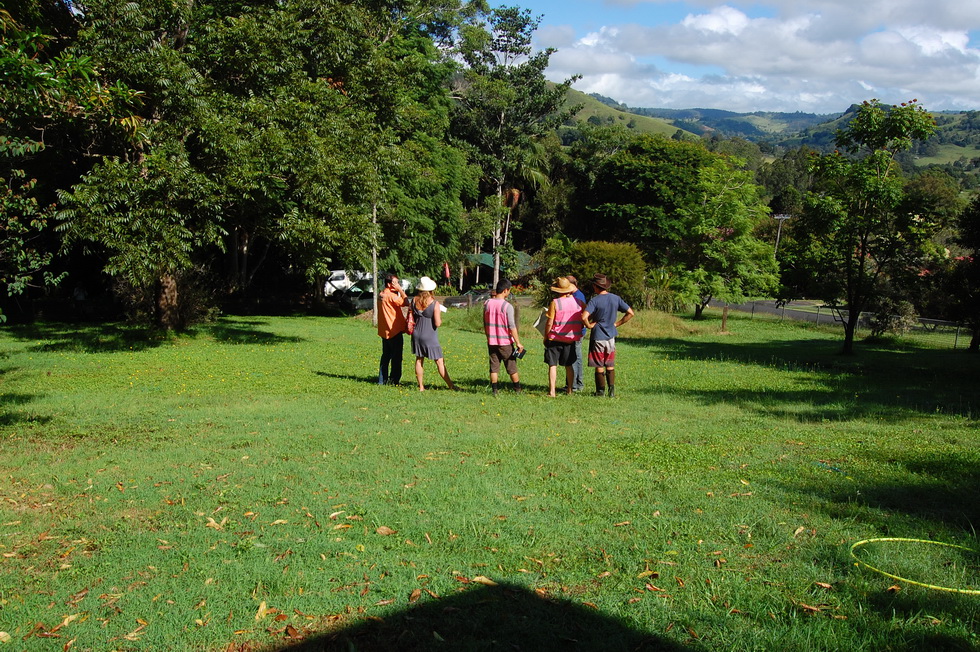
{"points": [[470, 298], [360, 295], [340, 280]]}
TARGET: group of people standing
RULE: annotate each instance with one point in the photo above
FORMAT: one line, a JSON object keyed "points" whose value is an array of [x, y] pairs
{"points": [[564, 327], [568, 316]]}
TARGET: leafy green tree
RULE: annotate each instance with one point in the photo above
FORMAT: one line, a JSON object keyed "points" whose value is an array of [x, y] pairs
{"points": [[964, 287], [280, 130], [504, 104], [621, 262], [639, 190], [719, 256], [43, 90], [853, 234]]}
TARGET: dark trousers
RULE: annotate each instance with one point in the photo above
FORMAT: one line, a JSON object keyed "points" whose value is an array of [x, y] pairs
{"points": [[391, 357]]}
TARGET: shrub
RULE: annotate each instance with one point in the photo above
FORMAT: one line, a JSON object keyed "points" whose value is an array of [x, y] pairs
{"points": [[621, 262]]}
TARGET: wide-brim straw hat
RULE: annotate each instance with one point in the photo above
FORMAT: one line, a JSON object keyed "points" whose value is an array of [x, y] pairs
{"points": [[563, 286], [426, 284], [601, 281]]}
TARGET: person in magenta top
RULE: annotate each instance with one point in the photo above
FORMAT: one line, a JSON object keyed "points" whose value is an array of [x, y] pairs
{"points": [[579, 381], [562, 332], [503, 340]]}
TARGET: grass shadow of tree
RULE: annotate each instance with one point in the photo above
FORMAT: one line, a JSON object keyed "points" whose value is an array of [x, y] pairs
{"points": [[502, 617], [931, 493], [883, 382], [914, 617], [243, 331], [87, 338], [9, 416], [110, 337]]}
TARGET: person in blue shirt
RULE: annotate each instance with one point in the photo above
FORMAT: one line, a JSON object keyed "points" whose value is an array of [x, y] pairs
{"points": [[600, 317]]}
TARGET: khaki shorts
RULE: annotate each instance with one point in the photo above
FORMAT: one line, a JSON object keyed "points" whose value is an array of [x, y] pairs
{"points": [[503, 353]]}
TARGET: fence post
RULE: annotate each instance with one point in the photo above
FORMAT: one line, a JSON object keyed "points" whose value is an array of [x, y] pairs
{"points": [[956, 339]]}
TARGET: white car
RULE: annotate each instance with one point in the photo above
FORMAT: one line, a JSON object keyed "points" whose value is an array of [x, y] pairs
{"points": [[340, 280]]}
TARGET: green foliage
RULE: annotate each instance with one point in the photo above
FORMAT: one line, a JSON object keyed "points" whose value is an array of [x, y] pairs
{"points": [[641, 186], [504, 105], [720, 257], [854, 235], [151, 216], [22, 224], [40, 91], [622, 263]]}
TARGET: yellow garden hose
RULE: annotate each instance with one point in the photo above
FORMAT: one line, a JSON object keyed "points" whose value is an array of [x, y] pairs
{"points": [[858, 562]]}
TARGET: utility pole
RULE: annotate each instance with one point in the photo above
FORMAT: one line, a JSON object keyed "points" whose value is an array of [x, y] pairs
{"points": [[781, 217]]}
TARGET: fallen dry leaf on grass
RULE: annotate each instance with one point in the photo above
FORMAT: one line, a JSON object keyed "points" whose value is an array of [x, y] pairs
{"points": [[385, 531], [486, 581], [264, 610]]}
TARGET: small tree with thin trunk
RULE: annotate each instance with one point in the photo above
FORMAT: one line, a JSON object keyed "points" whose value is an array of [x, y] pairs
{"points": [[853, 233]]}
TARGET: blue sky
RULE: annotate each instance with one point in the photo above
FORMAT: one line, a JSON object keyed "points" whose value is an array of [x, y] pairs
{"points": [[816, 56]]}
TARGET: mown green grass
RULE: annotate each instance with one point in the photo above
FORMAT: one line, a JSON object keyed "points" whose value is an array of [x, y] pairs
{"points": [[158, 491]]}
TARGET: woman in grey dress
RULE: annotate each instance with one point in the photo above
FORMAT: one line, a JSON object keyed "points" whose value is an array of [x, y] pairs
{"points": [[425, 338]]}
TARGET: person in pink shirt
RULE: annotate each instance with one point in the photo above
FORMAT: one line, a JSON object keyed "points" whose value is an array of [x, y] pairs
{"points": [[503, 340], [563, 330]]}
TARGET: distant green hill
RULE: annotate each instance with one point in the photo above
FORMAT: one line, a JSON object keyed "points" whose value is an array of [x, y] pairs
{"points": [[760, 125], [595, 112], [955, 145]]}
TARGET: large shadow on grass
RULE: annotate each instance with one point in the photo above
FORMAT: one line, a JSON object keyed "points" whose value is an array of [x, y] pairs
{"points": [[11, 415], [886, 384], [111, 337], [87, 338], [243, 331], [927, 493], [503, 617]]}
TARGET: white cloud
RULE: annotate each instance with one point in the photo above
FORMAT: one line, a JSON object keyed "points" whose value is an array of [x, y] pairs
{"points": [[723, 20], [809, 55]]}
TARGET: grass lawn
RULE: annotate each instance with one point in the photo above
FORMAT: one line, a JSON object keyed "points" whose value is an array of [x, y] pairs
{"points": [[248, 486]]}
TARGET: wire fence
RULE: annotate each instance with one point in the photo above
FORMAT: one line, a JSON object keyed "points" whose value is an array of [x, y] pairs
{"points": [[933, 333]]}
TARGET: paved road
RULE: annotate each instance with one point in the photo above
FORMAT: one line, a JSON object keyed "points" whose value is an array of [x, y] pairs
{"points": [[823, 315]]}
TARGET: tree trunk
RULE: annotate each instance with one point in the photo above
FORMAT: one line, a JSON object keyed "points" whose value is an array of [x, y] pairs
{"points": [[850, 327], [168, 315], [975, 340]]}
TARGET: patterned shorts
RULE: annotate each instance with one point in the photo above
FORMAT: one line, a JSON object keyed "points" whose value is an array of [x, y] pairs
{"points": [[602, 353]]}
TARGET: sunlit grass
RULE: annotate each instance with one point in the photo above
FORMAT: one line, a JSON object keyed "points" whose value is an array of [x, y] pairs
{"points": [[159, 490]]}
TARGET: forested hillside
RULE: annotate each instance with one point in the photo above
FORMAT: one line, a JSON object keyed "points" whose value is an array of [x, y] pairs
{"points": [[954, 147]]}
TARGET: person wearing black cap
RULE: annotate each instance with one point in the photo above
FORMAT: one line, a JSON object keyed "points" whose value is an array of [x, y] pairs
{"points": [[600, 317]]}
